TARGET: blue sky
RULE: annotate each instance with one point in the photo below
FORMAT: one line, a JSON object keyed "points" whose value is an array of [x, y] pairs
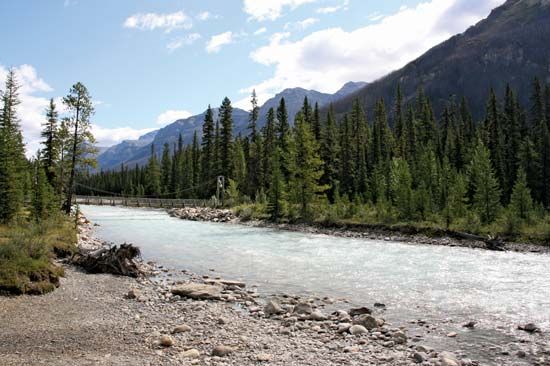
{"points": [[148, 62]]}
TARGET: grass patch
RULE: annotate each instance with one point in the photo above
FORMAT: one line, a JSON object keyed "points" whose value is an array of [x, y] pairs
{"points": [[27, 253]]}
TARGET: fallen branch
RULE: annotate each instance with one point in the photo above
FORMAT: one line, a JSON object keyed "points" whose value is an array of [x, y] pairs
{"points": [[114, 260], [491, 243]]}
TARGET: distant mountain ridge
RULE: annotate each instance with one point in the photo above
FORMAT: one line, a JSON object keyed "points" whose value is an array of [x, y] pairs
{"points": [[510, 46], [131, 152]]}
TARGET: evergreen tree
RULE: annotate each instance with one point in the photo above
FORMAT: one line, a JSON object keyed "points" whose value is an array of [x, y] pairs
{"points": [[195, 162], [486, 200], [208, 154], [238, 163], [316, 122], [307, 166], [399, 121], [166, 169], [12, 158], [401, 188], [494, 140], [521, 202], [42, 198], [254, 167], [50, 154], [153, 174], [269, 142], [80, 107], [330, 150], [226, 138], [276, 192]]}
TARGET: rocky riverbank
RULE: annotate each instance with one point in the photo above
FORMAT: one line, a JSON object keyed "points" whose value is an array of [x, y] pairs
{"points": [[352, 231], [180, 318]]}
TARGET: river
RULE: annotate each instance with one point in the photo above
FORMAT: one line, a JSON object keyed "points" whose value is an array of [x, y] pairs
{"points": [[441, 285]]}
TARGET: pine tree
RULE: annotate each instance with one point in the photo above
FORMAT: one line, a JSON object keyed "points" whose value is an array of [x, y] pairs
{"points": [[276, 192], [166, 169], [316, 122], [254, 167], [330, 150], [269, 143], [307, 166], [12, 158], [494, 138], [195, 162], [226, 138], [80, 107], [238, 163], [401, 188], [50, 154], [153, 174], [399, 121], [521, 202], [208, 154], [486, 200], [42, 198]]}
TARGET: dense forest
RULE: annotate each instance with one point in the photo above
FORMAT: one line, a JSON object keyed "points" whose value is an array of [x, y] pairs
{"points": [[36, 194], [412, 167]]}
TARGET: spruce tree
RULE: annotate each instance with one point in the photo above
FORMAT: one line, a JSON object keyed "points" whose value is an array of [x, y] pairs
{"points": [[166, 169], [195, 162], [401, 188], [269, 143], [12, 158], [42, 201], [521, 202], [153, 175], [316, 122], [276, 192], [254, 167], [486, 199], [307, 166], [50, 153], [207, 154], [226, 138], [330, 150]]}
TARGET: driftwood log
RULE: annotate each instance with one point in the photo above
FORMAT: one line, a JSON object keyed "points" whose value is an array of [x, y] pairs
{"points": [[490, 243], [115, 260]]}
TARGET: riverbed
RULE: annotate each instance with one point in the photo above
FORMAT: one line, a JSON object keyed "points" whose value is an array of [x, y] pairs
{"points": [[445, 286]]}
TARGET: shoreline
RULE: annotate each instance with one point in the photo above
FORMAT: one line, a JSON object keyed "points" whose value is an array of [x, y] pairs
{"points": [[182, 318], [355, 231]]}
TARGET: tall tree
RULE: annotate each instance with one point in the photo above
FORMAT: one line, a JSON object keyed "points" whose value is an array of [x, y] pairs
{"points": [[486, 200], [307, 166], [330, 150], [153, 175], [207, 154], [521, 201], [276, 191], [12, 158], [254, 168], [166, 169], [226, 138], [50, 153], [80, 108]]}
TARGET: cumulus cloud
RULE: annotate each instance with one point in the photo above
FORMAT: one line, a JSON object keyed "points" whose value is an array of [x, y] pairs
{"points": [[261, 10], [151, 21], [106, 137], [171, 116], [183, 41], [218, 41], [326, 59], [333, 9]]}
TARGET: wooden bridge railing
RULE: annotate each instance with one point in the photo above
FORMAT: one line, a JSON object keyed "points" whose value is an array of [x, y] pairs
{"points": [[141, 202]]}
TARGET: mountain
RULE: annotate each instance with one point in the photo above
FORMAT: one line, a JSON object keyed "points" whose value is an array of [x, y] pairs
{"points": [[509, 46], [131, 152], [112, 156]]}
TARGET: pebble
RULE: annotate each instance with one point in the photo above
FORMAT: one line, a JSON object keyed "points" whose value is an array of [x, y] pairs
{"points": [[222, 351], [166, 341], [191, 353], [357, 329], [183, 328]]}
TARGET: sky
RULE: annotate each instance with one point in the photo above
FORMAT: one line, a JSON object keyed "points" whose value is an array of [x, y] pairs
{"points": [[147, 63]]}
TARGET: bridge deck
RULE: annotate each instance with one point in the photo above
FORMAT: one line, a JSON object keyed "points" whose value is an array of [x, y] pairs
{"points": [[141, 202]]}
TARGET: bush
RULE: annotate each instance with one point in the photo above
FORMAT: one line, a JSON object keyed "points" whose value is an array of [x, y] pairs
{"points": [[26, 254]]}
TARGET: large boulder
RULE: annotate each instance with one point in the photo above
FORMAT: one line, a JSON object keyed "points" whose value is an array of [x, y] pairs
{"points": [[198, 291]]}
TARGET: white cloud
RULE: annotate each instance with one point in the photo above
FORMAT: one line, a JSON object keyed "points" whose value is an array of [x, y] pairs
{"points": [[205, 15], [183, 41], [261, 10], [260, 31], [152, 21], [106, 137], [333, 9], [216, 42], [301, 25], [171, 116], [326, 59]]}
